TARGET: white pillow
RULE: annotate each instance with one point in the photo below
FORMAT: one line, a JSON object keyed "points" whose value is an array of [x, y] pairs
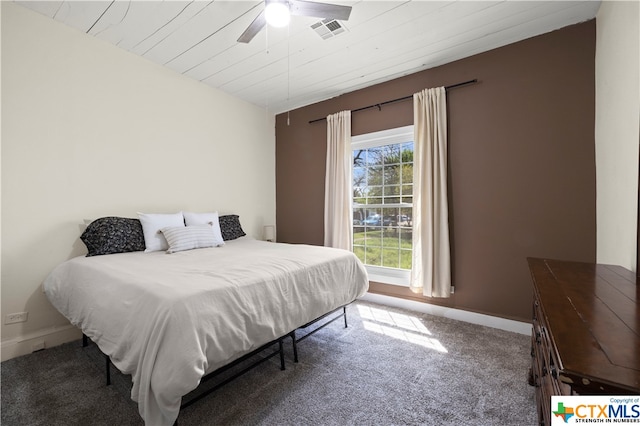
{"points": [[189, 237], [192, 219], [152, 223]]}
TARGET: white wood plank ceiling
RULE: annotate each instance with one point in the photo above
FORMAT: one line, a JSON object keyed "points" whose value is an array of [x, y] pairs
{"points": [[286, 68]]}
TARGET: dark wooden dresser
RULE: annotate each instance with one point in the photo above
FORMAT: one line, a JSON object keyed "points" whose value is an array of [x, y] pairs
{"points": [[586, 331]]}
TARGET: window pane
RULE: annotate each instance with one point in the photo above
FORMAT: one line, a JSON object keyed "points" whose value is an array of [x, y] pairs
{"points": [[374, 191], [359, 176], [373, 236], [392, 154], [406, 235], [390, 258], [374, 156], [373, 256], [375, 176], [390, 211], [391, 190], [390, 239], [391, 175], [391, 200], [390, 216]]}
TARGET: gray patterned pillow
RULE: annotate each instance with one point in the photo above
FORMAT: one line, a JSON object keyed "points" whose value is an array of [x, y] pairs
{"points": [[109, 235], [230, 227]]}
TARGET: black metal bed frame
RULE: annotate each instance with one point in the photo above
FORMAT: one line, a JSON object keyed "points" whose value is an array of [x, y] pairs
{"points": [[221, 370], [307, 325]]}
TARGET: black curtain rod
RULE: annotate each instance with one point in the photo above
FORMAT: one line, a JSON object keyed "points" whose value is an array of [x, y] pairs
{"points": [[379, 106]]}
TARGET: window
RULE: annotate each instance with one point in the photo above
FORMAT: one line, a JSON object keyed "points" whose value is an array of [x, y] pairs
{"points": [[382, 203]]}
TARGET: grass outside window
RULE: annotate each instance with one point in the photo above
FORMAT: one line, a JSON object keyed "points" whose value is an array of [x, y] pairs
{"points": [[389, 247]]}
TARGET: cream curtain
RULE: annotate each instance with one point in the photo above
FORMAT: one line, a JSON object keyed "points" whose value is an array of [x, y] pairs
{"points": [[337, 190], [431, 268]]}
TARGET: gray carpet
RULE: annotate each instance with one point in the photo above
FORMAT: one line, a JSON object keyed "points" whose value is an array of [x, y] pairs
{"points": [[389, 367]]}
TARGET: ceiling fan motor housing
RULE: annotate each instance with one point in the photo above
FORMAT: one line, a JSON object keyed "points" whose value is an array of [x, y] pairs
{"points": [[292, 7]]}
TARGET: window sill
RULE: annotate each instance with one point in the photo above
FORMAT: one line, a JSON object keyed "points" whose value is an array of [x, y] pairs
{"points": [[389, 276]]}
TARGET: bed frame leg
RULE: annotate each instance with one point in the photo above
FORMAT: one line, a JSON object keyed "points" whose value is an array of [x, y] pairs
{"points": [[85, 343], [108, 364], [344, 312], [295, 346], [281, 350]]}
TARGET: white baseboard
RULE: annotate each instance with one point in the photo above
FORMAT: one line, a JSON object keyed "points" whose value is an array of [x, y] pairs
{"points": [[457, 314], [45, 338]]}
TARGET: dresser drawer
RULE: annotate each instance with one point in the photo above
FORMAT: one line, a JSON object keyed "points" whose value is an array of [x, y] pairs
{"points": [[544, 366]]}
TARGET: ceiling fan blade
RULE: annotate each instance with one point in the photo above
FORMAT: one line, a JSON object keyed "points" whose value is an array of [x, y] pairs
{"points": [[253, 29], [320, 10]]}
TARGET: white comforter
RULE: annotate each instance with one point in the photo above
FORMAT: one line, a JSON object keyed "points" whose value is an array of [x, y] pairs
{"points": [[168, 319]]}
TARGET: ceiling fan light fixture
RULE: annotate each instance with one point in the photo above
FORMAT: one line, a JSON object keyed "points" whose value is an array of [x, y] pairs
{"points": [[277, 14]]}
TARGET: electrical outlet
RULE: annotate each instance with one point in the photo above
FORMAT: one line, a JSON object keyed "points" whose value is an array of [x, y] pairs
{"points": [[16, 317], [37, 346]]}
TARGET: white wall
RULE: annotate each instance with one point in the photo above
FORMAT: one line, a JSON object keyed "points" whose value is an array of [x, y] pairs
{"points": [[90, 130], [617, 131]]}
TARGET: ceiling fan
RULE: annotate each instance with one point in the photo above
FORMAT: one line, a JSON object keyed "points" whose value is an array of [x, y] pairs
{"points": [[277, 12]]}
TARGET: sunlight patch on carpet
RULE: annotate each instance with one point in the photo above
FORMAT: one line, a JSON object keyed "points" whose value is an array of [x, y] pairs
{"points": [[398, 326]]}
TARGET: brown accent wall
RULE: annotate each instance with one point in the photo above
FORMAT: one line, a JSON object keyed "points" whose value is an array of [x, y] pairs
{"points": [[522, 164]]}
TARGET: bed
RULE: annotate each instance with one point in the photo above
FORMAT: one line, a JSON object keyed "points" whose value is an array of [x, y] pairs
{"points": [[170, 319]]}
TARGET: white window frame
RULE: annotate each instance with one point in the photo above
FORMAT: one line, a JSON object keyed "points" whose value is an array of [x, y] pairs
{"points": [[403, 134]]}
